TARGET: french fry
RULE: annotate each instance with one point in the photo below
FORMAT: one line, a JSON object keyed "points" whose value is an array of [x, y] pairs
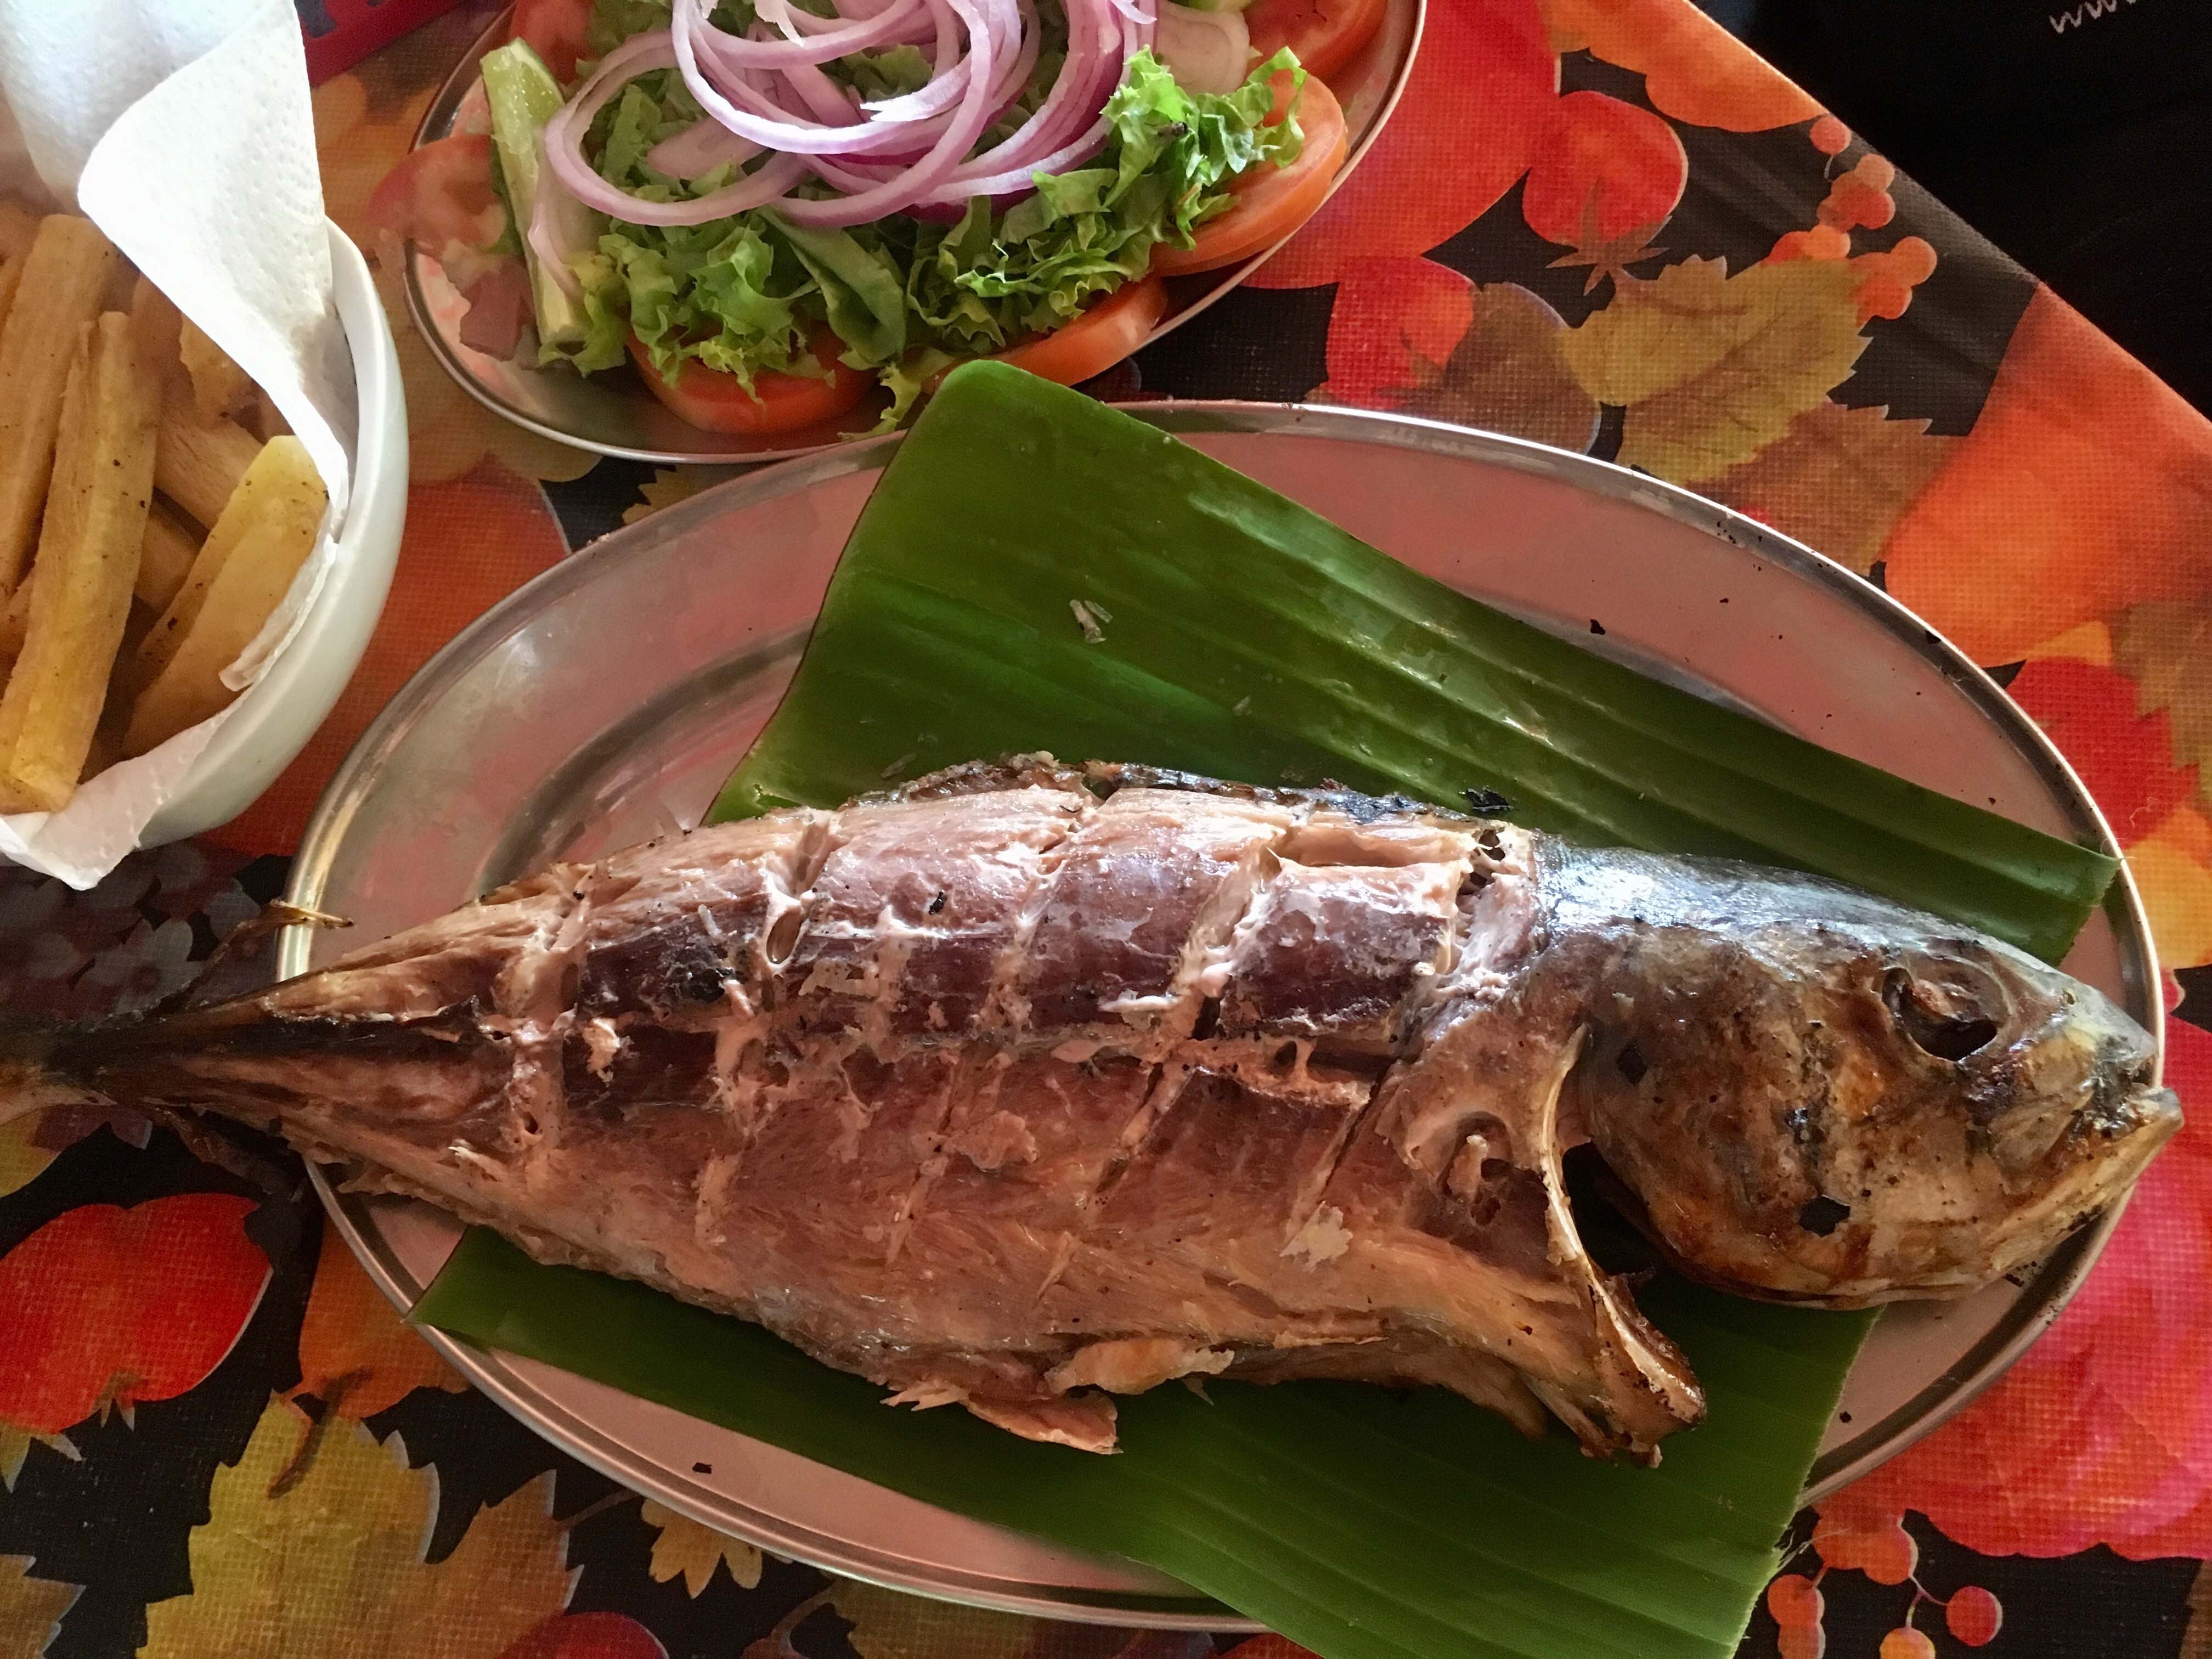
{"points": [[197, 466], [282, 500], [265, 474], [57, 293], [16, 619], [166, 553], [105, 749], [219, 385], [11, 274], [86, 567], [159, 326], [122, 281], [19, 228]]}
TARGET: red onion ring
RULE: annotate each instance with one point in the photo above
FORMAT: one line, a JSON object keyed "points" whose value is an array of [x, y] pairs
{"points": [[564, 139], [699, 148], [909, 153]]}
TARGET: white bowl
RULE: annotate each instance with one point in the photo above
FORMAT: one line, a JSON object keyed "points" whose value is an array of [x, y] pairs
{"points": [[276, 714]]}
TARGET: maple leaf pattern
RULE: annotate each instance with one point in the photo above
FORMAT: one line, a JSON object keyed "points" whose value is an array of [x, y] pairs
{"points": [[695, 1551], [670, 484], [1506, 374], [314, 1543], [1836, 480], [2166, 647], [888, 1625], [16, 1446], [1710, 367], [31, 1609]]}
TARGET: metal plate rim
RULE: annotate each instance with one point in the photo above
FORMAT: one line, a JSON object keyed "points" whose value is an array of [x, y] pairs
{"points": [[437, 119], [2059, 1278]]}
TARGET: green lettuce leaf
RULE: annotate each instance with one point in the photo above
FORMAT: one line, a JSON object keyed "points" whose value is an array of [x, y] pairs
{"points": [[861, 290], [907, 296]]}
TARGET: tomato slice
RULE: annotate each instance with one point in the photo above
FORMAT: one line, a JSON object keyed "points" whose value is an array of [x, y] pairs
{"points": [[1268, 204], [558, 32], [1326, 35], [441, 194], [1101, 337], [716, 402]]}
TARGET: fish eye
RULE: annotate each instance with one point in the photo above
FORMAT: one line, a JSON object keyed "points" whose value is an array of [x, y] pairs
{"points": [[1941, 1020]]}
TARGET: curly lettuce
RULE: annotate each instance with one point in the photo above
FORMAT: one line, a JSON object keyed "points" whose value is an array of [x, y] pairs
{"points": [[906, 297]]}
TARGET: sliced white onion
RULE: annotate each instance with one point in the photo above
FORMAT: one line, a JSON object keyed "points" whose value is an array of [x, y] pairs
{"points": [[699, 149], [967, 125], [822, 98], [564, 147], [802, 44], [767, 91], [1009, 169], [1207, 51]]}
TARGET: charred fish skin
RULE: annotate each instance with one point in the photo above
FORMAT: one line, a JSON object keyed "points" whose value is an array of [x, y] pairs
{"points": [[1818, 1098], [1025, 1085]]}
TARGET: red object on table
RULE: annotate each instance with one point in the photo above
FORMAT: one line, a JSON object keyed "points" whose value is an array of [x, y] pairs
{"points": [[341, 33]]}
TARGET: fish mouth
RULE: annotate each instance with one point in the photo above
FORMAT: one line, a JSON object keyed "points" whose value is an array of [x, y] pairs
{"points": [[2148, 1116]]}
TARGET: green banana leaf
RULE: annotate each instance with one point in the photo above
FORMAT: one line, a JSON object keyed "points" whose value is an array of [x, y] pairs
{"points": [[1244, 637], [1365, 1524]]}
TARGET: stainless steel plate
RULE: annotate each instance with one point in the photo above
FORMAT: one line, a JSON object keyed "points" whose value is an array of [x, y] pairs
{"points": [[605, 703], [615, 415]]}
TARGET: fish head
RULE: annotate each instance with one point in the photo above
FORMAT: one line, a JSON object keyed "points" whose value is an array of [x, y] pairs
{"points": [[1821, 1098], [2049, 1079]]}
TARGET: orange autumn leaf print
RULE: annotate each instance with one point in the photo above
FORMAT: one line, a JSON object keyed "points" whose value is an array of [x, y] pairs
{"points": [[1836, 480], [2166, 647], [356, 1355], [2084, 487], [1480, 100], [2124, 758], [106, 1308], [1694, 69]]}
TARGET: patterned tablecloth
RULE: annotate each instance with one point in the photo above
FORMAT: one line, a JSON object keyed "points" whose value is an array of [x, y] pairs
{"points": [[216, 1439]]}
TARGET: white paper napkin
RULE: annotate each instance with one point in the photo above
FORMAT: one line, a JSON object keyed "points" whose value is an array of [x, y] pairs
{"points": [[183, 129]]}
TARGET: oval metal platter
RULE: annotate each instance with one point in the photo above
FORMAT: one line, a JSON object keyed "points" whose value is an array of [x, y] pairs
{"points": [[604, 703], [615, 415]]}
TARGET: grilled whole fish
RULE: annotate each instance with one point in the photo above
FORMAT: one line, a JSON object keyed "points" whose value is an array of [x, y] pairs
{"points": [[1025, 1085]]}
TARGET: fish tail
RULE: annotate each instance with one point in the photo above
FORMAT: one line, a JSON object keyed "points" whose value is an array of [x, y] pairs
{"points": [[47, 1062], [38, 1068]]}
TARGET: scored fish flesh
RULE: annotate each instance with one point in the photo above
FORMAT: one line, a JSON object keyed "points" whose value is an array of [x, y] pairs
{"points": [[1026, 1085]]}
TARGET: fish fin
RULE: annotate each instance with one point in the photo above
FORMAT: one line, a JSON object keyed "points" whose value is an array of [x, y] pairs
{"points": [[1084, 1421]]}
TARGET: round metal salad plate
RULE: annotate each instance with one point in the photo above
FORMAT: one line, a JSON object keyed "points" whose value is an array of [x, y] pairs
{"points": [[615, 415], [604, 703]]}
